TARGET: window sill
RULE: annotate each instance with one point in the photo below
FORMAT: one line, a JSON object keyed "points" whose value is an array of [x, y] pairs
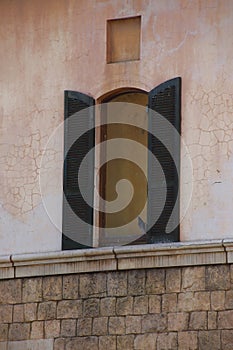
{"points": [[117, 258]]}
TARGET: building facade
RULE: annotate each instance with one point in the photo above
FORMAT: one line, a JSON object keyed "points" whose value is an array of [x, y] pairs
{"points": [[154, 296]]}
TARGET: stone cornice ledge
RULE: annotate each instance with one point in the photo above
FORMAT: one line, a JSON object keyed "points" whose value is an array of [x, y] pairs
{"points": [[64, 262], [6, 267], [117, 258], [171, 255], [228, 245]]}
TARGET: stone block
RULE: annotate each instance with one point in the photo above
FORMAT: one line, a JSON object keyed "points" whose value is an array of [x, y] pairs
{"points": [[100, 326], [193, 278], [145, 341], [217, 277], [154, 304], [19, 331], [52, 329], [155, 281], [227, 339], [125, 342], [198, 320], [117, 283], [212, 319], [190, 301], [69, 309], [93, 285], [30, 312], [140, 305], [154, 323], [187, 341], [6, 313], [133, 324], [91, 307], [18, 313], [136, 282], [108, 306], [225, 319], [82, 343], [71, 286], [84, 326], [217, 300], [3, 332], [228, 299], [32, 289], [209, 340], [11, 291], [37, 330], [59, 344], [124, 305], [40, 344], [167, 341], [201, 301], [169, 302], [116, 325], [47, 310], [3, 345], [173, 280], [178, 321], [68, 328], [231, 274], [185, 301], [52, 288], [107, 342]]}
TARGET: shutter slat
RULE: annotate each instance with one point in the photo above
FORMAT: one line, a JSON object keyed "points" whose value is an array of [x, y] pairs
{"points": [[165, 100]]}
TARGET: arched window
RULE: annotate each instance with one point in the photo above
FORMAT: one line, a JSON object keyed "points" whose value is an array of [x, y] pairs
{"points": [[165, 100]]}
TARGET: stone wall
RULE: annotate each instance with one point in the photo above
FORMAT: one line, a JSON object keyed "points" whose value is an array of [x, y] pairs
{"points": [[158, 308]]}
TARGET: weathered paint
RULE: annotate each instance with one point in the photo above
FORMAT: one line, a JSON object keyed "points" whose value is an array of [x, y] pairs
{"points": [[50, 46]]}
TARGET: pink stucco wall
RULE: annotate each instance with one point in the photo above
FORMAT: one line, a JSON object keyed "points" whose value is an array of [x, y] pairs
{"points": [[50, 46]]}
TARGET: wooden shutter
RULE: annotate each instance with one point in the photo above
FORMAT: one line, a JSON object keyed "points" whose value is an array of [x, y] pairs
{"points": [[165, 100], [75, 149]]}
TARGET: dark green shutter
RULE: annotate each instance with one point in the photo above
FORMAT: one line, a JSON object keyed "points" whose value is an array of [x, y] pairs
{"points": [[77, 142], [166, 101]]}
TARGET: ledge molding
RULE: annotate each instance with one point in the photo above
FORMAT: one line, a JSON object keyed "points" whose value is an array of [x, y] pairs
{"points": [[117, 258]]}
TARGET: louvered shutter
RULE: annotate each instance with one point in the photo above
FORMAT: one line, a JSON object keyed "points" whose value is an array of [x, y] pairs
{"points": [[77, 142], [164, 100]]}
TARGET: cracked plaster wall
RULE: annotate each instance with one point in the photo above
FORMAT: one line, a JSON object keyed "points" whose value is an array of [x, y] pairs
{"points": [[52, 46]]}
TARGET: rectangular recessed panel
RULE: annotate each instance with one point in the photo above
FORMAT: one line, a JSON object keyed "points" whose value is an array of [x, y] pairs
{"points": [[123, 39]]}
